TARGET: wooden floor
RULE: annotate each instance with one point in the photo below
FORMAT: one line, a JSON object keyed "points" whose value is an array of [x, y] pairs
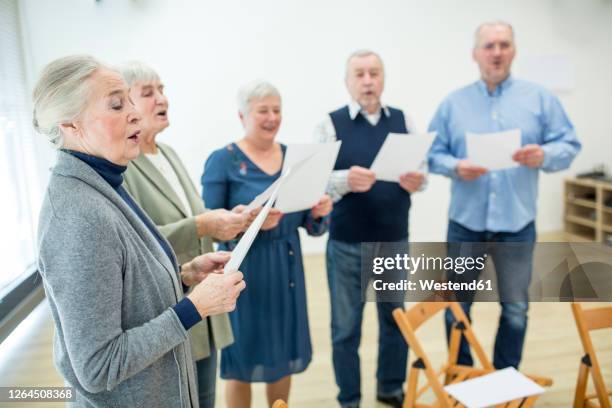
{"points": [[552, 349]]}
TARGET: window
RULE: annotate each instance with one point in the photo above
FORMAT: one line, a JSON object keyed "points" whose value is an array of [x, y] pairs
{"points": [[19, 186]]}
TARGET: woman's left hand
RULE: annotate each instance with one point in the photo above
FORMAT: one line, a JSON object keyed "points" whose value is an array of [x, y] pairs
{"points": [[323, 207], [201, 266]]}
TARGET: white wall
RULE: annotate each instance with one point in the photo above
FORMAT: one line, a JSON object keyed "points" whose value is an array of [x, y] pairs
{"points": [[205, 50]]}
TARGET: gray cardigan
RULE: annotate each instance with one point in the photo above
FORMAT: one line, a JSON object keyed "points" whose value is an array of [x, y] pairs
{"points": [[111, 288], [157, 198]]}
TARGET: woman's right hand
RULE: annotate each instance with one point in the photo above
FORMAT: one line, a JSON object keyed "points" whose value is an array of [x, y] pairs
{"points": [[272, 220], [217, 293]]}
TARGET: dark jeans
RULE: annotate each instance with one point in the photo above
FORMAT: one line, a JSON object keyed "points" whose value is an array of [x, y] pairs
{"points": [[207, 379], [513, 265], [344, 278]]}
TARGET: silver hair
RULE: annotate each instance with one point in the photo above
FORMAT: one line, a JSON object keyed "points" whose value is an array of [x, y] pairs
{"points": [[361, 53], [254, 91], [61, 94], [136, 71], [488, 24]]}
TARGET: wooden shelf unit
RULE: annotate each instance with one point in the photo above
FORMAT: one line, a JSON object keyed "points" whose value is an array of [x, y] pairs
{"points": [[586, 218]]}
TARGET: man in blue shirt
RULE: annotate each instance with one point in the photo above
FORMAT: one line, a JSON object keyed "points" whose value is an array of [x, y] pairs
{"points": [[500, 206]]}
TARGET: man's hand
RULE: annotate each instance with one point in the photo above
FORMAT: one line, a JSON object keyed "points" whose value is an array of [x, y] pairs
{"points": [[468, 171], [412, 181], [360, 179], [322, 208], [531, 155], [272, 220], [222, 224], [200, 267]]}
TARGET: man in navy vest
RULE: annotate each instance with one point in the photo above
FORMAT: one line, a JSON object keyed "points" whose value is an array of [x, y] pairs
{"points": [[364, 211]]}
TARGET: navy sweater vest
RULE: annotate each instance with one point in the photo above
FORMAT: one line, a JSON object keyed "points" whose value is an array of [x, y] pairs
{"points": [[380, 214]]}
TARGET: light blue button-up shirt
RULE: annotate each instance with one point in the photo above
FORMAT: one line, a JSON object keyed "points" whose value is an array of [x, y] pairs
{"points": [[503, 200]]}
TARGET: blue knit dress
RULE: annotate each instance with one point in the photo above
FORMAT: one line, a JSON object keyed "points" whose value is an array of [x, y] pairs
{"points": [[270, 323]]}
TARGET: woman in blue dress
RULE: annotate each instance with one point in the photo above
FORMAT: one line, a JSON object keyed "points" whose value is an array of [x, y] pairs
{"points": [[270, 323]]}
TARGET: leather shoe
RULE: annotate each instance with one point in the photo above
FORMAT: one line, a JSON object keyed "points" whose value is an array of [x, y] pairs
{"points": [[396, 401]]}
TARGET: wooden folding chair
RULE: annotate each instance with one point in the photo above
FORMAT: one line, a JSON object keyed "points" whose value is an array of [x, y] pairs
{"points": [[279, 403], [586, 321], [409, 321]]}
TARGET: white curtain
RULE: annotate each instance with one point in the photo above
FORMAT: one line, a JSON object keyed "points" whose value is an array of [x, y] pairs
{"points": [[19, 186]]}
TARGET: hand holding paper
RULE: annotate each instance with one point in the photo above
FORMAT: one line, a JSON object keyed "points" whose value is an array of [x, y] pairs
{"points": [[196, 270], [247, 239], [360, 179], [412, 181], [468, 171], [531, 155], [222, 224], [323, 207], [217, 293], [252, 213], [272, 220]]}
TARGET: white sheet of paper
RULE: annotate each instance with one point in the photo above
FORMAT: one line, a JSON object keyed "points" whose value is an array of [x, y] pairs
{"points": [[311, 165], [493, 150], [261, 198], [243, 246], [495, 388], [401, 153]]}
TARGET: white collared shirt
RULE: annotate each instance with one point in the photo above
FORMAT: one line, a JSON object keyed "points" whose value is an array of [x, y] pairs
{"points": [[373, 118], [326, 133]]}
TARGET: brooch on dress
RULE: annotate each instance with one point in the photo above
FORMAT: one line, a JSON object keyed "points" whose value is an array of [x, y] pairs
{"points": [[243, 168]]}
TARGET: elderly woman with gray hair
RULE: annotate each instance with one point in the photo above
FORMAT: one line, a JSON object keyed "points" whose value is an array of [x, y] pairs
{"points": [[111, 278], [160, 184], [270, 324]]}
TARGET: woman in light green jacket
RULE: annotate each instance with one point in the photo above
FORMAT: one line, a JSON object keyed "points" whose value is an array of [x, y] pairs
{"points": [[160, 184]]}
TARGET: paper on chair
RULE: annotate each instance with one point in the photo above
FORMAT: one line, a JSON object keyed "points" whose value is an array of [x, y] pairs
{"points": [[493, 150], [401, 153], [495, 388], [243, 246], [311, 166]]}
